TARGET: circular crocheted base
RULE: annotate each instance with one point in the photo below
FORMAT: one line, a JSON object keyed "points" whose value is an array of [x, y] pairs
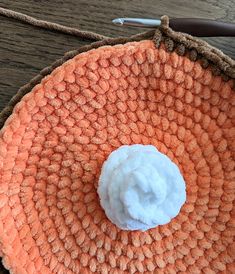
{"points": [[53, 146]]}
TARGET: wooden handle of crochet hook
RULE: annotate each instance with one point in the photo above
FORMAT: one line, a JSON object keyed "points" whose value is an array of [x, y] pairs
{"points": [[202, 27]]}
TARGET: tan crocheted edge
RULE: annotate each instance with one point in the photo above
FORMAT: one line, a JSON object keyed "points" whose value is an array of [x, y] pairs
{"points": [[198, 49], [180, 42]]}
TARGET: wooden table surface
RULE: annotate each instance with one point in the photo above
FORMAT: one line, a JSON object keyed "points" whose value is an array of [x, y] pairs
{"points": [[25, 50]]}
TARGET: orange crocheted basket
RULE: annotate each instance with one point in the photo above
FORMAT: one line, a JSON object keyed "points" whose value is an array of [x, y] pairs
{"points": [[176, 94]]}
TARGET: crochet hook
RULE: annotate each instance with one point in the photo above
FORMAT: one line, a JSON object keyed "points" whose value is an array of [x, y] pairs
{"points": [[194, 26]]}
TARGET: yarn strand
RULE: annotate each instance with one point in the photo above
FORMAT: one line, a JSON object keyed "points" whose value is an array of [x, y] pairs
{"points": [[51, 26]]}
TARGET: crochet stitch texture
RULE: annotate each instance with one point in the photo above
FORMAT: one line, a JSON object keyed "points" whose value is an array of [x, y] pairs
{"points": [[53, 146]]}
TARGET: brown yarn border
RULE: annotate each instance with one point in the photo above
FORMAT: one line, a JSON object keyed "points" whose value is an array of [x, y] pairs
{"points": [[183, 44]]}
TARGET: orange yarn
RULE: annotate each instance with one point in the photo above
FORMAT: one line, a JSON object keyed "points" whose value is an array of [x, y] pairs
{"points": [[53, 146]]}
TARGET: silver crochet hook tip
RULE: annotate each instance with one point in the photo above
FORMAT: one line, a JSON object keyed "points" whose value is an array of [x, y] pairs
{"points": [[118, 21], [137, 22]]}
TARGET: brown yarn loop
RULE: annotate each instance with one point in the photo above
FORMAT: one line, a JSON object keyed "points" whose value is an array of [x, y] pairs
{"points": [[204, 62], [180, 49], [164, 22], [157, 38], [193, 55], [169, 43]]}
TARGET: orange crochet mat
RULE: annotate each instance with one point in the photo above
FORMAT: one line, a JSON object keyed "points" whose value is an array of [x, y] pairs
{"points": [[53, 146]]}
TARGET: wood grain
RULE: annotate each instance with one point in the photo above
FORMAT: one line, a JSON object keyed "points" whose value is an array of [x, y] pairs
{"points": [[25, 50]]}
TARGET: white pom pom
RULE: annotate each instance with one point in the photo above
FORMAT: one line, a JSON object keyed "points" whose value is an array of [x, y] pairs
{"points": [[140, 188]]}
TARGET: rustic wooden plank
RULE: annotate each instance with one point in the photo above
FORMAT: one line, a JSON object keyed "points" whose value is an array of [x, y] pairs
{"points": [[25, 50]]}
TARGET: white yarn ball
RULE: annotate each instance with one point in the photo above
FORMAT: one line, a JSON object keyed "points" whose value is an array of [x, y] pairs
{"points": [[140, 188]]}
